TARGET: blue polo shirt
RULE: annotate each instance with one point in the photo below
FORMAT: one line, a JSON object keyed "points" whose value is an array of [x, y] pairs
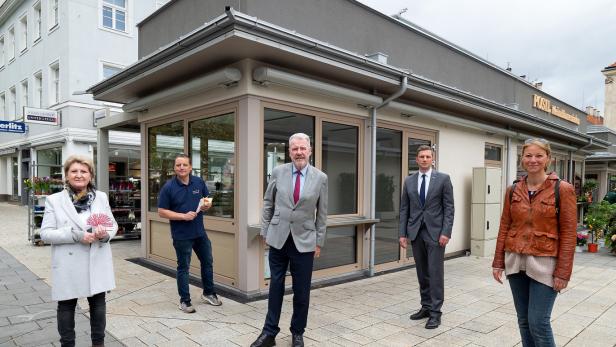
{"points": [[179, 197]]}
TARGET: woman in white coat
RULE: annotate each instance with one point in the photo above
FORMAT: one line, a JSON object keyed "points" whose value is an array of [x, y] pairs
{"points": [[78, 224]]}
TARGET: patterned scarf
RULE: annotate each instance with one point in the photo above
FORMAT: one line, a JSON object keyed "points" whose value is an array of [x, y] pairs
{"points": [[82, 200]]}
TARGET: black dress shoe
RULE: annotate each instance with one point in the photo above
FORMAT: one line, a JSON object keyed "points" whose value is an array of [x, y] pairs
{"points": [[264, 340], [433, 322], [422, 313], [297, 341]]}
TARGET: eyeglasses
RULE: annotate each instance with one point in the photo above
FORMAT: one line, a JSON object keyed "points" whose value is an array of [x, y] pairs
{"points": [[543, 141]]}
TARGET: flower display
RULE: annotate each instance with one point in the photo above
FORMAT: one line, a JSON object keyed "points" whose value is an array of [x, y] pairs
{"points": [[582, 239]]}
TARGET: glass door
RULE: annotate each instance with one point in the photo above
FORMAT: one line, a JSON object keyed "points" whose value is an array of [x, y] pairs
{"points": [[413, 142]]}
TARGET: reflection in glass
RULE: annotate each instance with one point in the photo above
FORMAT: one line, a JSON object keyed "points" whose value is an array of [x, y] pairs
{"points": [[388, 178], [277, 128], [165, 142], [413, 145], [340, 248], [212, 150], [15, 165], [413, 167], [49, 163], [340, 165], [493, 153]]}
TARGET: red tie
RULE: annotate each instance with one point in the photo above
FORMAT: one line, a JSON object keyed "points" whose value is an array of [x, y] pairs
{"points": [[296, 190]]}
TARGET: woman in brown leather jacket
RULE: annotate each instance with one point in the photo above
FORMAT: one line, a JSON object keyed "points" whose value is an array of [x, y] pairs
{"points": [[536, 243]]}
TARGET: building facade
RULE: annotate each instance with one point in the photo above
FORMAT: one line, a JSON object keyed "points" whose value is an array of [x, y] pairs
{"points": [[50, 52], [231, 91]]}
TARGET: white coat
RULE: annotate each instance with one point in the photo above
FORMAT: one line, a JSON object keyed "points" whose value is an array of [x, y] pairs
{"points": [[77, 270]]}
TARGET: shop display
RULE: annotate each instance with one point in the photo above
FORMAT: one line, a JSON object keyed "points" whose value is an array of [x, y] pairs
{"points": [[125, 203]]}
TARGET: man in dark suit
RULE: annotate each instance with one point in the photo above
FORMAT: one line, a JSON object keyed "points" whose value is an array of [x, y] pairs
{"points": [[426, 218], [293, 224]]}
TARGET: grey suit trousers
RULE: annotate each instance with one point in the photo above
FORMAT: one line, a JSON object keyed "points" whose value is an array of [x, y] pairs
{"points": [[429, 263]]}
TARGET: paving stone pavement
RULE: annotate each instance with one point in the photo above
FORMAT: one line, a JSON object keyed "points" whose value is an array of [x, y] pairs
{"points": [[143, 311], [27, 314]]}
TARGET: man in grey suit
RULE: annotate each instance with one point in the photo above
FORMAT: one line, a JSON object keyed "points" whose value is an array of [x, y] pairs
{"points": [[426, 218], [295, 235]]}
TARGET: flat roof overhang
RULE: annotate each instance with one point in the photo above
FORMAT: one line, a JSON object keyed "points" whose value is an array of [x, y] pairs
{"points": [[233, 37]]}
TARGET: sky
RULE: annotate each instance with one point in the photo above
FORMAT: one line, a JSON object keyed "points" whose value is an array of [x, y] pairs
{"points": [[563, 43]]}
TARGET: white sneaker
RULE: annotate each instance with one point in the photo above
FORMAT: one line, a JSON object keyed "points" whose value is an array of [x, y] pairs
{"points": [[187, 308], [211, 299]]}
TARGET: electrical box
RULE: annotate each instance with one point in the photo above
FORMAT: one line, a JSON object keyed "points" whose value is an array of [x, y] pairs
{"points": [[487, 185], [485, 210]]}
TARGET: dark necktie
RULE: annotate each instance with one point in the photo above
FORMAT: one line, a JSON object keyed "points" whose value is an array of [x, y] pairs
{"points": [[422, 190], [297, 184]]}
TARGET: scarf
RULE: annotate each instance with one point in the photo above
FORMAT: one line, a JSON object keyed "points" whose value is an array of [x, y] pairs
{"points": [[82, 200]]}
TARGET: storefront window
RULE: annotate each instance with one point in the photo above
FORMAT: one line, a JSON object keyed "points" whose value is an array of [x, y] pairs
{"points": [[340, 248], [577, 177], [125, 188], [164, 143], [15, 168], [49, 163], [340, 159], [388, 178], [212, 150], [612, 183], [277, 128]]}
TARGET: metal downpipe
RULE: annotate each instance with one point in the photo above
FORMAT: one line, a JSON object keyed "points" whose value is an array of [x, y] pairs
{"points": [[403, 87]]}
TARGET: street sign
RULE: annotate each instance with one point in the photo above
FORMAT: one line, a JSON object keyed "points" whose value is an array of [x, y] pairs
{"points": [[40, 116], [12, 127]]}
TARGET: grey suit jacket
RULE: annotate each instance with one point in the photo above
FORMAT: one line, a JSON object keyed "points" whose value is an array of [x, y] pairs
{"points": [[281, 216], [436, 214]]}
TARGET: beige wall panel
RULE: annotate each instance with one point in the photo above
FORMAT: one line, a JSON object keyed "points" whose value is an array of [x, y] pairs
{"points": [[223, 251], [160, 240]]}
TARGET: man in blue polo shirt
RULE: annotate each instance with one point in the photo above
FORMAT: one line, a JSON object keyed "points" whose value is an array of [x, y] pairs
{"points": [[178, 202]]}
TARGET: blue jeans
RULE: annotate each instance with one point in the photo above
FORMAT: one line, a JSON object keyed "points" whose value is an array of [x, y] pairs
{"points": [[533, 302], [203, 249]]}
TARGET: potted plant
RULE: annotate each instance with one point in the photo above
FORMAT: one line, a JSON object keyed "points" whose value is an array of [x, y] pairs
{"points": [[598, 219], [610, 239], [582, 239]]}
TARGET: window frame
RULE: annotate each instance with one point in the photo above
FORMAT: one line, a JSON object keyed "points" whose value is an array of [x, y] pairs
{"points": [[23, 33], [3, 112], [114, 10], [493, 163], [38, 22], [53, 14], [54, 84], [2, 51], [104, 64], [12, 43], [38, 89], [321, 116], [24, 91], [12, 103]]}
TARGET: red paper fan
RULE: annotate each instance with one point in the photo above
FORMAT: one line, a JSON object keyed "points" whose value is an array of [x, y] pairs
{"points": [[97, 219]]}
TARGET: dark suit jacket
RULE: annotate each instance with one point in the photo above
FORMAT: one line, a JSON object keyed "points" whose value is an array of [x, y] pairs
{"points": [[436, 214]]}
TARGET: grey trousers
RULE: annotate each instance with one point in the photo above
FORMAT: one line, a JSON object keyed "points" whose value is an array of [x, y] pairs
{"points": [[429, 258]]}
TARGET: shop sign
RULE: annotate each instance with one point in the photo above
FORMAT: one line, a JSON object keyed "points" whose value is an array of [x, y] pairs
{"points": [[40, 116], [544, 104], [99, 114], [8, 151], [12, 127]]}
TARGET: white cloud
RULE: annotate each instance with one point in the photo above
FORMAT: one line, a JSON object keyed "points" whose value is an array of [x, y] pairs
{"points": [[565, 44]]}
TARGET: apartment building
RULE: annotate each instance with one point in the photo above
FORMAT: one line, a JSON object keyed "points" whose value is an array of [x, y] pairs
{"points": [[50, 51]]}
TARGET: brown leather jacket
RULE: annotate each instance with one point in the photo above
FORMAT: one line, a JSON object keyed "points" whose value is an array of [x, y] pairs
{"points": [[531, 228]]}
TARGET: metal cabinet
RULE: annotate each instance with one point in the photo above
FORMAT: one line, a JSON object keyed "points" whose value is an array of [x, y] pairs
{"points": [[485, 210]]}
